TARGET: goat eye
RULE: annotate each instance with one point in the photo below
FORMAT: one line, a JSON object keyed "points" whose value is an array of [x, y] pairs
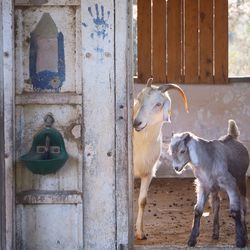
{"points": [[158, 104], [182, 151]]}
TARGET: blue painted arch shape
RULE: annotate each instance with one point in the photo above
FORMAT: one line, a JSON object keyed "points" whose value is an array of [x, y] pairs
{"points": [[46, 79]]}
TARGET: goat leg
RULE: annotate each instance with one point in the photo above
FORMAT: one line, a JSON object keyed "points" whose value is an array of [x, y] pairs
{"points": [[215, 202], [240, 229], [202, 195], [195, 229], [142, 201]]}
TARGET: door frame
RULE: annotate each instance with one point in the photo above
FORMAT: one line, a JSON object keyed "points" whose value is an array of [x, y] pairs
{"points": [[107, 135], [7, 123], [2, 163]]}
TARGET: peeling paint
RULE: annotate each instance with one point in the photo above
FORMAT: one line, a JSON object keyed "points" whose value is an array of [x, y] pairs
{"points": [[76, 131]]}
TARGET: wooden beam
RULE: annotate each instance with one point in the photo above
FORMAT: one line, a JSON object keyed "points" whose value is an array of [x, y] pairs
{"points": [[107, 119], [98, 126], [123, 128]]}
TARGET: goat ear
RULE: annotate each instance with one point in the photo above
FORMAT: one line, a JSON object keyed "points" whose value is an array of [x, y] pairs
{"points": [[186, 138], [166, 113]]}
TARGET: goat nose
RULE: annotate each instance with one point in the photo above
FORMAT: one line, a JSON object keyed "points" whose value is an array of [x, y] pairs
{"points": [[176, 168], [136, 123]]}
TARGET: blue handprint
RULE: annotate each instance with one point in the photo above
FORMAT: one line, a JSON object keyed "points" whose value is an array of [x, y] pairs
{"points": [[101, 24]]}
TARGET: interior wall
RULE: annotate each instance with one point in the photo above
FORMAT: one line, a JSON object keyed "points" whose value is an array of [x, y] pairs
{"points": [[210, 108]]}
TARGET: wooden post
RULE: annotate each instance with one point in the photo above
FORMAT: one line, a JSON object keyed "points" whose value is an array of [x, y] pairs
{"points": [[124, 104], [7, 122], [107, 94], [2, 179]]}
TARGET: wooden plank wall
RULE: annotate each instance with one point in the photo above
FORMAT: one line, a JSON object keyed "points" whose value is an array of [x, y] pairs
{"points": [[190, 43], [183, 41], [221, 38], [174, 41], [144, 39], [206, 41], [159, 41]]}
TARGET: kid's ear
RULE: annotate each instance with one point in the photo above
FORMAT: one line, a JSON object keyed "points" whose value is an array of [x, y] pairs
{"points": [[186, 137], [166, 113]]}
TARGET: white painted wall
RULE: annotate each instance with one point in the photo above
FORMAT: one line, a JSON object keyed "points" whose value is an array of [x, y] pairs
{"points": [[210, 107]]}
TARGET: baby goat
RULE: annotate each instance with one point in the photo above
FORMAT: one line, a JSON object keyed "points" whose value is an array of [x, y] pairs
{"points": [[152, 107], [217, 164]]}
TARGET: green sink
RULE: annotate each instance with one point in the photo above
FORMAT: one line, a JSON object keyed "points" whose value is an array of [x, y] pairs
{"points": [[47, 154]]}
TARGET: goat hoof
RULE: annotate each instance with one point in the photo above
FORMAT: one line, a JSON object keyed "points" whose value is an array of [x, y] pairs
{"points": [[140, 236], [192, 242], [241, 243], [215, 236]]}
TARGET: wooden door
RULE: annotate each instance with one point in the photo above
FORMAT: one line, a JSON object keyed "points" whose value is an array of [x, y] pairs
{"points": [[48, 79]]}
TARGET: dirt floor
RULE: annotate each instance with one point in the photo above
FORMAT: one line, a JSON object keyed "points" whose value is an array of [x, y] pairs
{"points": [[169, 214]]}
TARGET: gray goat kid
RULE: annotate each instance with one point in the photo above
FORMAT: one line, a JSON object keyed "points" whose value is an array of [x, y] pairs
{"points": [[217, 164]]}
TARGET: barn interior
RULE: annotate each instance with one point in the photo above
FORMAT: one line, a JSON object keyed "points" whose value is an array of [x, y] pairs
{"points": [[191, 43]]}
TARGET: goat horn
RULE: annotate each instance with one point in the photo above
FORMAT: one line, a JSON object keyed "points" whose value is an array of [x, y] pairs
{"points": [[165, 87], [149, 82]]}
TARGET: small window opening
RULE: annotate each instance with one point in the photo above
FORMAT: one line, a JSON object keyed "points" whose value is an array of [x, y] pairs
{"points": [[239, 38]]}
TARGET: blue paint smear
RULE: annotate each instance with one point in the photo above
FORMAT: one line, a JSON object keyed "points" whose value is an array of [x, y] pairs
{"points": [[90, 11], [100, 53], [99, 50], [47, 80]]}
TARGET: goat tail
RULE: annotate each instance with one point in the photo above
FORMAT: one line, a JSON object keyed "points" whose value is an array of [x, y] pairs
{"points": [[233, 129]]}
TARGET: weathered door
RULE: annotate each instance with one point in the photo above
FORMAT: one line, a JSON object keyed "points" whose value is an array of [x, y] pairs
{"points": [[48, 79], [73, 59]]}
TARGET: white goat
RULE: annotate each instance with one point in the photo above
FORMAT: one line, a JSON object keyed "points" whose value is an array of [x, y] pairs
{"points": [[152, 107], [217, 164]]}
